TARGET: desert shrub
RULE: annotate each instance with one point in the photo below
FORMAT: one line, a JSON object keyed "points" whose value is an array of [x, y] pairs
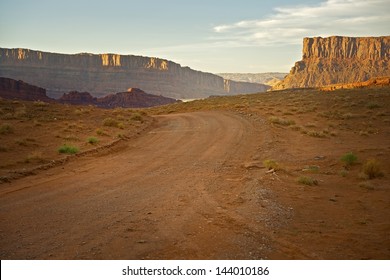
{"points": [[373, 105], [311, 168], [35, 156], [317, 134], [349, 159], [67, 149], [271, 164], [281, 121], [92, 140], [136, 117], [110, 122], [372, 169], [6, 129], [40, 104], [305, 180], [101, 132]]}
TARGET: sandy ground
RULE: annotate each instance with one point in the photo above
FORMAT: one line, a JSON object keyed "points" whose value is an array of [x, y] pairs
{"points": [[194, 187]]}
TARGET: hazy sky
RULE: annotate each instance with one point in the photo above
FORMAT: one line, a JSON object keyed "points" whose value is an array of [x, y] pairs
{"points": [[207, 35]]}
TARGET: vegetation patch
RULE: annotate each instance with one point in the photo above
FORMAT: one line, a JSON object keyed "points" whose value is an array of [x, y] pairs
{"points": [[280, 121], [372, 169], [92, 140], [305, 180], [349, 159], [67, 149], [6, 129], [271, 164]]}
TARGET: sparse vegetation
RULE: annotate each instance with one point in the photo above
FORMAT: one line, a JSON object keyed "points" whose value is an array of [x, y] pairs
{"points": [[271, 164], [110, 122], [349, 159], [136, 117], [92, 140], [280, 121], [372, 169], [305, 180], [67, 149], [6, 129]]}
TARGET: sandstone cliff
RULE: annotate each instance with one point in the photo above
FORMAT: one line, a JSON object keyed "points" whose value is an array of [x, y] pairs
{"points": [[12, 89], [110, 73], [336, 60]]}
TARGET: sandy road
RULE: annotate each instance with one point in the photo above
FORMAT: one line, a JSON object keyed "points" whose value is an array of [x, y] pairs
{"points": [[177, 192]]}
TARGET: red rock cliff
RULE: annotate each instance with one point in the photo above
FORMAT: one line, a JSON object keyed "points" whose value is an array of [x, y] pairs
{"points": [[105, 73], [336, 60], [12, 89]]}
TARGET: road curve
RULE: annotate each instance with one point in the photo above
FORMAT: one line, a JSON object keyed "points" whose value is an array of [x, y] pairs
{"points": [[176, 192]]}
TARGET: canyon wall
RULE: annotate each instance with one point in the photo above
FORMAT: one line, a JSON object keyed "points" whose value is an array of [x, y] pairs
{"points": [[337, 60], [110, 73]]}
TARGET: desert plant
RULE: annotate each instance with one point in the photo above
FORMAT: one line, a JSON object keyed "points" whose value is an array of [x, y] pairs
{"points": [[280, 121], [67, 149], [271, 164], [92, 140], [101, 132], [305, 180], [349, 159], [136, 117], [372, 169], [6, 129], [110, 122]]}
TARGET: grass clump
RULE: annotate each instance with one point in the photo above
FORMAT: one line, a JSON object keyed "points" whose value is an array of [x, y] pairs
{"points": [[305, 180], [101, 132], [280, 121], [372, 169], [110, 122], [136, 117], [271, 164], [349, 159], [92, 140], [67, 149], [6, 129]]}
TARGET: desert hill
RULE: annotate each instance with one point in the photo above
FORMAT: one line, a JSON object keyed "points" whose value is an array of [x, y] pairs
{"points": [[339, 60], [12, 89], [110, 73]]}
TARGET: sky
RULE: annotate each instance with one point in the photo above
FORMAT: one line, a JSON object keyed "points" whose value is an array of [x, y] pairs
{"points": [[217, 36]]}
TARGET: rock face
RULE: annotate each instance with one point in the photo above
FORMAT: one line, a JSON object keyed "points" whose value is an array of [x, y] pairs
{"points": [[110, 73], [261, 78], [337, 60], [133, 98], [12, 89]]}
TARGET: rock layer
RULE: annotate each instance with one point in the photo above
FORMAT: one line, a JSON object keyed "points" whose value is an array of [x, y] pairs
{"points": [[337, 60], [12, 89], [110, 73]]}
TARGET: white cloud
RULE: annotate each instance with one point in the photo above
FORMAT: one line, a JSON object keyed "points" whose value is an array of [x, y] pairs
{"points": [[288, 25]]}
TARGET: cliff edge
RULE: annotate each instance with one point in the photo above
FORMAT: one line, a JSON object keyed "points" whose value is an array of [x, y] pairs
{"points": [[339, 60]]}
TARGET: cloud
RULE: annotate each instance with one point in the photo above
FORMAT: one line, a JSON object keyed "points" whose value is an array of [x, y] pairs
{"points": [[289, 24]]}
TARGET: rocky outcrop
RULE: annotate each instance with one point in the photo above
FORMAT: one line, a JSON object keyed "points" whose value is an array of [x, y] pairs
{"points": [[110, 73], [78, 98], [12, 89], [133, 98], [338, 60]]}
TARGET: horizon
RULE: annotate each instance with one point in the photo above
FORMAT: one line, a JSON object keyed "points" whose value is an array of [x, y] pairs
{"points": [[246, 37]]}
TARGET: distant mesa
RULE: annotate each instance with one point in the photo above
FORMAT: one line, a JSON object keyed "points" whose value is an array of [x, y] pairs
{"points": [[339, 60], [104, 73], [133, 98], [269, 78], [13, 89]]}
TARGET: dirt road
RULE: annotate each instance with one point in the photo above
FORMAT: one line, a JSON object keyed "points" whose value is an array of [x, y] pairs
{"points": [[177, 192]]}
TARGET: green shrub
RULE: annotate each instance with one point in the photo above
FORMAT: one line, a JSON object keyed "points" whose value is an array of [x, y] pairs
{"points": [[92, 140], [6, 129], [349, 159], [309, 181], [372, 169], [67, 149]]}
